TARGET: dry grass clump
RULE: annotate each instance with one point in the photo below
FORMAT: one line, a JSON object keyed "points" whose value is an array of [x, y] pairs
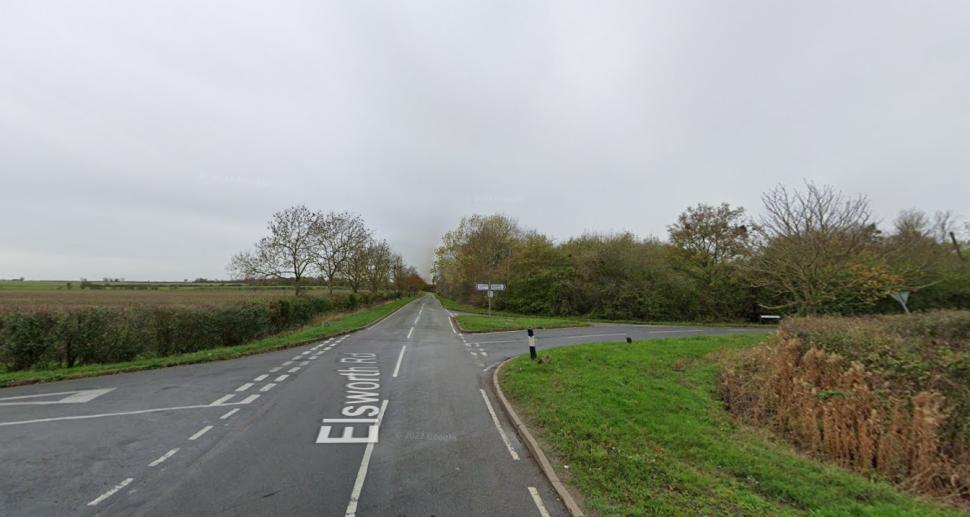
{"points": [[886, 394]]}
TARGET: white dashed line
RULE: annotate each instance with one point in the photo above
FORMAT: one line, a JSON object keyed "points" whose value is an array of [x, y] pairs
{"points": [[297, 358], [304, 363], [245, 387], [222, 399], [410, 332], [164, 457], [267, 387], [505, 437], [249, 399], [400, 358], [111, 492], [452, 326], [293, 370], [200, 432], [287, 363], [538, 500], [281, 378], [229, 414], [276, 369], [261, 378]]}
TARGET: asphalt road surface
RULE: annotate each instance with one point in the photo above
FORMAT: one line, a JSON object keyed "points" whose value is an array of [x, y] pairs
{"points": [[397, 419]]}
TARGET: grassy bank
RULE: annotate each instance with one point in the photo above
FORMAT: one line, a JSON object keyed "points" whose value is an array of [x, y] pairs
{"points": [[341, 324], [478, 323], [643, 433], [551, 322]]}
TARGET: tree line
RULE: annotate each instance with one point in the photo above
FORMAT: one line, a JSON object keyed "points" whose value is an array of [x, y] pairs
{"points": [[336, 247], [811, 250]]}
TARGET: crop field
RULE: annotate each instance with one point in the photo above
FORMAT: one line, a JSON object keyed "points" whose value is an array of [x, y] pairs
{"points": [[29, 297]]}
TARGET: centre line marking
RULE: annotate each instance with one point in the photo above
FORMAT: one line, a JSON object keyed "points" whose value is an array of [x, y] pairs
{"points": [[400, 357], [245, 387], [267, 387], [505, 437], [199, 434], [229, 414], [164, 457], [111, 492], [409, 332], [538, 500], [281, 378], [362, 471]]}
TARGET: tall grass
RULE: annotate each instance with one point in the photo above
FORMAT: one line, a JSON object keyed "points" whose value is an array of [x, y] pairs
{"points": [[882, 394], [52, 337]]}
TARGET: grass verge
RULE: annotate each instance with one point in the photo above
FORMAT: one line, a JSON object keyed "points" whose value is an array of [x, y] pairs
{"points": [[340, 325], [478, 323], [452, 305], [643, 433]]}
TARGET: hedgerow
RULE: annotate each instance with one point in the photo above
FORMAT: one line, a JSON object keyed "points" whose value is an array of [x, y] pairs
{"points": [[58, 337]]}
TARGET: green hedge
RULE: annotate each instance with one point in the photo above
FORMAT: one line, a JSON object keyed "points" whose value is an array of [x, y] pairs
{"points": [[92, 335]]}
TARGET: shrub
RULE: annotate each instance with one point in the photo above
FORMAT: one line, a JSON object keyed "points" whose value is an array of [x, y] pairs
{"points": [[888, 394]]}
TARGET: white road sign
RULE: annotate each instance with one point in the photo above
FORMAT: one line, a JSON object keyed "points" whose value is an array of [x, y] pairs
{"points": [[481, 287]]}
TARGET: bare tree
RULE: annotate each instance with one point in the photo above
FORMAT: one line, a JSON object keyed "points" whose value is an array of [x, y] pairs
{"points": [[358, 264], [338, 235], [378, 265], [288, 252], [817, 250]]}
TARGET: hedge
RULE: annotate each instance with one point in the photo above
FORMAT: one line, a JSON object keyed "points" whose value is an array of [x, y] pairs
{"points": [[50, 338]]}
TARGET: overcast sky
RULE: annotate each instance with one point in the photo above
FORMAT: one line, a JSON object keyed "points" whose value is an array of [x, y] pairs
{"points": [[153, 139]]}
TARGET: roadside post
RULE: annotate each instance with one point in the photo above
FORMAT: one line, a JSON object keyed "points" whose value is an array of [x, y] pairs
{"points": [[532, 345]]}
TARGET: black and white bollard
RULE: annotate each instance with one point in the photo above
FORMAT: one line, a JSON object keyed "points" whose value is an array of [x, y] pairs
{"points": [[532, 345]]}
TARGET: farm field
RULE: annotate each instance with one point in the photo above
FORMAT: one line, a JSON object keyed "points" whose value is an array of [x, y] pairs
{"points": [[47, 296]]}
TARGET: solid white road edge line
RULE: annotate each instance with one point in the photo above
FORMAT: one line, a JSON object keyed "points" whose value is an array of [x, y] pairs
{"points": [[400, 357], [199, 433], [362, 471], [111, 492], [165, 456], [505, 437], [538, 500], [229, 414]]}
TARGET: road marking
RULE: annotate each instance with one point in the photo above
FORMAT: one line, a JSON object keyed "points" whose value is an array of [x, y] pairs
{"points": [[483, 353], [505, 437], [287, 363], [362, 471], [276, 369], [261, 378], [229, 414], [267, 387], [111, 492], [246, 400], [453, 331], [281, 378], [410, 332], [166, 456], [199, 434], [538, 500], [305, 353], [304, 363], [245, 387], [73, 397], [297, 358], [222, 399], [400, 357], [293, 370]]}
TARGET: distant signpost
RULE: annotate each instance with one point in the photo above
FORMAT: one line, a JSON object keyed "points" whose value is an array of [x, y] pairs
{"points": [[491, 288]]}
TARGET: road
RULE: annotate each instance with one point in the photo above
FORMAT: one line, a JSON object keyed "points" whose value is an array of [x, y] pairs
{"points": [[397, 419]]}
